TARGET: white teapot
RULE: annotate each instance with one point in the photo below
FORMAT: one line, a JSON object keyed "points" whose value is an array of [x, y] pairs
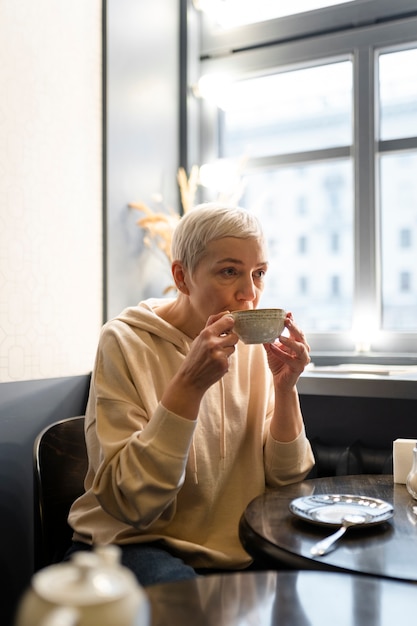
{"points": [[93, 589]]}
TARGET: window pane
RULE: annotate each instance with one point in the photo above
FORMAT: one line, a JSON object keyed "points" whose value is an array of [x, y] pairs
{"points": [[229, 13], [295, 111], [304, 210], [398, 94], [399, 241]]}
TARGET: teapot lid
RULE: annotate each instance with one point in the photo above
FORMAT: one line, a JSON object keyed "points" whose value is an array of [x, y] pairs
{"points": [[89, 578]]}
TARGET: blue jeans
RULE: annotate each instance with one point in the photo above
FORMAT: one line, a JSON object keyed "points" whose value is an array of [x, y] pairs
{"points": [[150, 562]]}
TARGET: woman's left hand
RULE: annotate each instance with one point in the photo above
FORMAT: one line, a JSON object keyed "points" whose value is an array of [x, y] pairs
{"points": [[288, 356]]}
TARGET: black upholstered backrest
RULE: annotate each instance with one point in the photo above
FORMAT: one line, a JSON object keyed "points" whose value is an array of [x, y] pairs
{"points": [[60, 465]]}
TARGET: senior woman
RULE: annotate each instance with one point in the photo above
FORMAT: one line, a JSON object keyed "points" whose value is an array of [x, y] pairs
{"points": [[185, 424]]}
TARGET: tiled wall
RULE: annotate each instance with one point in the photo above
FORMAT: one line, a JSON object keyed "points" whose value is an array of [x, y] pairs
{"points": [[50, 187]]}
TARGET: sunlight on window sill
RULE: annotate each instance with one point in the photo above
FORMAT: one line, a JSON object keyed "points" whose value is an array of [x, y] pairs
{"points": [[365, 369]]}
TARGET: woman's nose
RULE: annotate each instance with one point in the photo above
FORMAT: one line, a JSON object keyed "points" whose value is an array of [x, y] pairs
{"points": [[247, 290]]}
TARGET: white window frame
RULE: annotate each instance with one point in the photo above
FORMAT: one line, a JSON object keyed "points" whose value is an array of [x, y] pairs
{"points": [[357, 31]]}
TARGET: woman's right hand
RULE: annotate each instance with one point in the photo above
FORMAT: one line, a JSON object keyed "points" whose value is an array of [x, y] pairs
{"points": [[204, 365]]}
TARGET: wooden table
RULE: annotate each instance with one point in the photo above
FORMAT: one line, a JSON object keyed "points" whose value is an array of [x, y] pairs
{"points": [[283, 598], [273, 535]]}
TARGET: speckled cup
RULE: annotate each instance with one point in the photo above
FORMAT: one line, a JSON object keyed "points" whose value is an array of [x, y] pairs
{"points": [[259, 325]]}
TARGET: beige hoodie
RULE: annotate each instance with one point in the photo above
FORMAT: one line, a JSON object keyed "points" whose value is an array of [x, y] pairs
{"points": [[156, 475]]}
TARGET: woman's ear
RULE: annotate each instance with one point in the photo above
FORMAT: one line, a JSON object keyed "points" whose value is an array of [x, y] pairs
{"points": [[178, 274]]}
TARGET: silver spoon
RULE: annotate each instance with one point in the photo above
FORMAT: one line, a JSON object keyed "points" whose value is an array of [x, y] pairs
{"points": [[325, 545]]}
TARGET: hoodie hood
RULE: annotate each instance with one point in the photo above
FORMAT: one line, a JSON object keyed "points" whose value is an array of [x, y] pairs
{"points": [[143, 317]]}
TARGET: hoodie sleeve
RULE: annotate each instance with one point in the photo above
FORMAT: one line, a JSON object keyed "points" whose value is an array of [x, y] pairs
{"points": [[138, 449], [286, 463]]}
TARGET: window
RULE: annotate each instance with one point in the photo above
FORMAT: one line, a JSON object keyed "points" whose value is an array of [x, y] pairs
{"points": [[302, 244], [303, 285], [302, 205], [405, 238], [292, 111], [405, 281], [398, 166], [335, 286], [398, 94], [327, 125], [334, 242]]}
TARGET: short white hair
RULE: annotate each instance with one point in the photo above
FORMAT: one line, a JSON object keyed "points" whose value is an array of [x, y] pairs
{"points": [[209, 222]]}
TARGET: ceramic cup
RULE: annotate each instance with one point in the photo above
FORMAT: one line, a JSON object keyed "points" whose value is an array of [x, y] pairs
{"points": [[259, 325]]}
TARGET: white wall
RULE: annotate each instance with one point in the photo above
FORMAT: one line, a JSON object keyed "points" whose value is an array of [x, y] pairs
{"points": [[50, 187]]}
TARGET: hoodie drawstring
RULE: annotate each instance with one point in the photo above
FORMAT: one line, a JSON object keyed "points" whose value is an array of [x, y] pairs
{"points": [[222, 421], [222, 436], [193, 462]]}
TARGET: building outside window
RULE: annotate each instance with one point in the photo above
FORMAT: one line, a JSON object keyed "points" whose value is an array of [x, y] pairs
{"points": [[405, 238], [303, 285], [302, 244], [327, 123], [405, 281], [334, 242], [334, 286]]}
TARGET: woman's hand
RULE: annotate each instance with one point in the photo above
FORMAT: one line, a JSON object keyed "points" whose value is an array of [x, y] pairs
{"points": [[208, 359], [204, 365], [288, 356]]}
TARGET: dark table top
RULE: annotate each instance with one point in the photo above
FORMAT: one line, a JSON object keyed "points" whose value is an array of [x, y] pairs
{"points": [[286, 598], [269, 531]]}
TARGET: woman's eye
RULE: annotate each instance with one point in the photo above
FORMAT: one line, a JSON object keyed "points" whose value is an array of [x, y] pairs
{"points": [[260, 273], [229, 271]]}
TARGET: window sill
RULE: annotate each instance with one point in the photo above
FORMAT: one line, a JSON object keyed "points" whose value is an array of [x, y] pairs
{"points": [[360, 380]]}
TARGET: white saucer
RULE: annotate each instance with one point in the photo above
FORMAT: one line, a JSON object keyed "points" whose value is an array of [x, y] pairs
{"points": [[330, 509]]}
